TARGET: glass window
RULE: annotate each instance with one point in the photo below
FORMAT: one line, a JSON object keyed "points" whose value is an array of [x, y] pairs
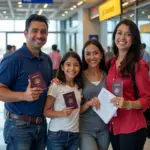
{"points": [[68, 23], [52, 25], [111, 24], [141, 1], [67, 41], [61, 26], [16, 39], [50, 41], [2, 44], [74, 20], [109, 39], [19, 25], [129, 15], [6, 25], [144, 25]]}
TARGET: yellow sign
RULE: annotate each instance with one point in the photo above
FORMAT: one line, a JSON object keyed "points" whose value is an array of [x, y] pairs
{"points": [[109, 9], [145, 28]]}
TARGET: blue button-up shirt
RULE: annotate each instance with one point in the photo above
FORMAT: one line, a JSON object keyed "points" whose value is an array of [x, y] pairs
{"points": [[14, 72]]}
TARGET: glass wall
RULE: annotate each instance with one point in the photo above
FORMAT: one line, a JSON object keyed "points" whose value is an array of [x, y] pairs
{"points": [[71, 28], [11, 32], [143, 14], [139, 12], [2, 44], [110, 28]]}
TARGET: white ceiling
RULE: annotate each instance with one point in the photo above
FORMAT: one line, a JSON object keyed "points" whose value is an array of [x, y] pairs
{"points": [[53, 11]]}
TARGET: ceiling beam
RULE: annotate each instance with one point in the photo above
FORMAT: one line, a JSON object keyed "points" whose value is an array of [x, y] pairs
{"points": [[35, 9], [27, 13], [11, 9], [1, 15], [65, 3]]}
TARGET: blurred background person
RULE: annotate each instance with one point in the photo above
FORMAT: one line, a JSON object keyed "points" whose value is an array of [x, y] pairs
{"points": [[56, 58], [70, 50], [8, 50], [13, 48], [109, 54], [146, 55]]}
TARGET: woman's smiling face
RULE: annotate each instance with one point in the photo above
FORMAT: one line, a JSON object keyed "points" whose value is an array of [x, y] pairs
{"points": [[123, 38], [92, 55]]}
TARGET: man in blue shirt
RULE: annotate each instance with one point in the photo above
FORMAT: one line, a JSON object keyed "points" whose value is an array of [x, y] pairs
{"points": [[25, 127]]}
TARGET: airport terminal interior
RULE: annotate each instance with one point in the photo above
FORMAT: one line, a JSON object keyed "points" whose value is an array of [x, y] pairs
{"points": [[71, 24]]}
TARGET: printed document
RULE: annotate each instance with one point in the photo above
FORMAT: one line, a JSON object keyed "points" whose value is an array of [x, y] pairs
{"points": [[107, 109]]}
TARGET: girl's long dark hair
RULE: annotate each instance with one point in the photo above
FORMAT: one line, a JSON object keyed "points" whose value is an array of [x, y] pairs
{"points": [[60, 73], [134, 53]]}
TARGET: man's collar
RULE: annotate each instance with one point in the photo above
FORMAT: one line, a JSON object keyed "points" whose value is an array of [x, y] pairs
{"points": [[30, 55]]}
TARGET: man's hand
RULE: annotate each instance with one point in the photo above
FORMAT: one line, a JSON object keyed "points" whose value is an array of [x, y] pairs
{"points": [[32, 94]]}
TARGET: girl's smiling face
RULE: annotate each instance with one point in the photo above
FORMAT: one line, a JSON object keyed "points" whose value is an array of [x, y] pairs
{"points": [[71, 68]]}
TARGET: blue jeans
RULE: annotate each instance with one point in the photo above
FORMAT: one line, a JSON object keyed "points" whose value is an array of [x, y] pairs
{"points": [[94, 140], [20, 135], [62, 140]]}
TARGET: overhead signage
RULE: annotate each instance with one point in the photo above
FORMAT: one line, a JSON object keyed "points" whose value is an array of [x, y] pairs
{"points": [[94, 12], [109, 9], [145, 28], [94, 36], [38, 1]]}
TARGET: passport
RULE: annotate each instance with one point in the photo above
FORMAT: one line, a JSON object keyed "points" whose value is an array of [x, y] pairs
{"points": [[70, 100], [117, 89], [37, 80]]}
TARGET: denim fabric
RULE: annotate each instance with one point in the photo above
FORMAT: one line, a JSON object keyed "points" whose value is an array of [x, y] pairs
{"points": [[94, 140], [20, 135], [62, 140]]}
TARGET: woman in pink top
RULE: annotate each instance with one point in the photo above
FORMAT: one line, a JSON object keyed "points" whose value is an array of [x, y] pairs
{"points": [[56, 58], [128, 126]]}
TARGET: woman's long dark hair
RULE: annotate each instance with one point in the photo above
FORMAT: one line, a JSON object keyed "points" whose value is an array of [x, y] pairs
{"points": [[60, 73], [134, 53], [99, 46]]}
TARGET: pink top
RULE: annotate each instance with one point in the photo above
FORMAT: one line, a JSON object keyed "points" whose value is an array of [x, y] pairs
{"points": [[128, 121], [56, 58]]}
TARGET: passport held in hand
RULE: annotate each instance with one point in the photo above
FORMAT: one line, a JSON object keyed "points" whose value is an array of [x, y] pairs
{"points": [[70, 100], [37, 80], [117, 89]]}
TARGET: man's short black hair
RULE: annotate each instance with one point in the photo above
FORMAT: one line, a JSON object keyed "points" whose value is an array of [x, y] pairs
{"points": [[35, 17], [9, 47], [144, 45], [54, 47]]}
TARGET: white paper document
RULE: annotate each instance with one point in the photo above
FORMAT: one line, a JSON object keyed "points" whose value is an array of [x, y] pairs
{"points": [[107, 109]]}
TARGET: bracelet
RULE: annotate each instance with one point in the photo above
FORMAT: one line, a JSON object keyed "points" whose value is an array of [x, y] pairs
{"points": [[129, 105]]}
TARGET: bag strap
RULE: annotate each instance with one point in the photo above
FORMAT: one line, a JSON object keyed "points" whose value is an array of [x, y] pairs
{"points": [[109, 64], [133, 79], [134, 83]]}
